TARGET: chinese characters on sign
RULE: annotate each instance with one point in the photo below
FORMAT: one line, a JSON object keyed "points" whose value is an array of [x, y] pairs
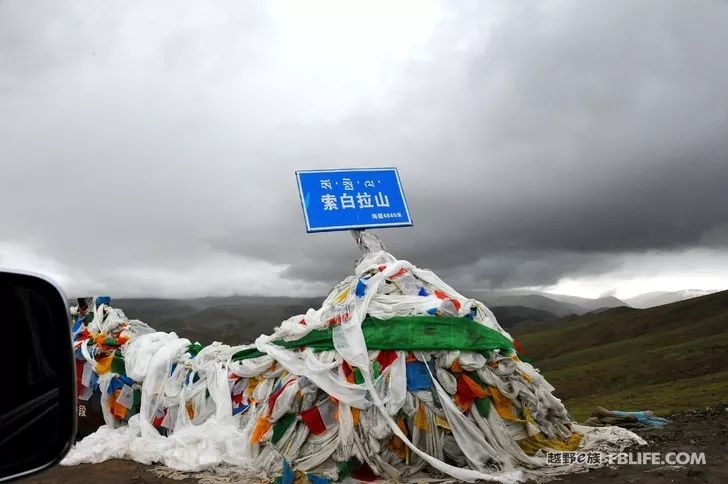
{"points": [[363, 199], [352, 199]]}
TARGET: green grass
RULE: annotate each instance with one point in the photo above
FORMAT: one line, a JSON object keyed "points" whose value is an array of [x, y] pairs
{"points": [[661, 359], [663, 398]]}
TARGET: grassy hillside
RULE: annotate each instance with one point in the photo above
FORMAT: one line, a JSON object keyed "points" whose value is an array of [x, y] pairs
{"points": [[664, 358]]}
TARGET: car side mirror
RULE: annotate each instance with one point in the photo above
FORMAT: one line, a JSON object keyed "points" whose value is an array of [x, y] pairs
{"points": [[38, 401]]}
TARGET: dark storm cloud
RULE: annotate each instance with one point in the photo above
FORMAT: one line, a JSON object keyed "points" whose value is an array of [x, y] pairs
{"points": [[533, 143], [589, 134]]}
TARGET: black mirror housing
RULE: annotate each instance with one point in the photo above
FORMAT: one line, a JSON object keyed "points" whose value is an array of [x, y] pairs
{"points": [[38, 404]]}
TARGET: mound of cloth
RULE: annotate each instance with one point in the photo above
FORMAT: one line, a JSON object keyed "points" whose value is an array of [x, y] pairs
{"points": [[395, 375]]}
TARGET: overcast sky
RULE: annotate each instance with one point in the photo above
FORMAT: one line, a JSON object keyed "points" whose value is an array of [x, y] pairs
{"points": [[149, 148]]}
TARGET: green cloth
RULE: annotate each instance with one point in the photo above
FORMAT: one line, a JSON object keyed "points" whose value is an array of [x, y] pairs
{"points": [[194, 348], [247, 354], [376, 369], [118, 365], [111, 341], [476, 378], [345, 468], [484, 405], [358, 377], [407, 333], [281, 425], [137, 400]]}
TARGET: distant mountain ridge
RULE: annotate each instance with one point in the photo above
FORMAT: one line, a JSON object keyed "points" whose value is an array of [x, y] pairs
{"points": [[658, 298], [589, 304], [241, 319], [516, 316], [558, 304], [233, 319]]}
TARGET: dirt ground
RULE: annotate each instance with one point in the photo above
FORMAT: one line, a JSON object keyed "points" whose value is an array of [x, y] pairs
{"points": [[692, 431]]}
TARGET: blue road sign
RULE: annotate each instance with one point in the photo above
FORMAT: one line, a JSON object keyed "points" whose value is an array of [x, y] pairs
{"points": [[358, 198]]}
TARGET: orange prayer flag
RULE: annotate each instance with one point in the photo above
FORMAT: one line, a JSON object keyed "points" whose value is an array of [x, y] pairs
{"points": [[463, 403], [252, 383], [261, 427], [103, 365], [396, 444], [441, 422], [502, 404], [477, 390], [355, 415], [117, 408], [421, 418]]}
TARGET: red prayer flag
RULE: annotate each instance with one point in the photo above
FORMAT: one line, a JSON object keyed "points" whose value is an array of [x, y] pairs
{"points": [[386, 358], [312, 418]]}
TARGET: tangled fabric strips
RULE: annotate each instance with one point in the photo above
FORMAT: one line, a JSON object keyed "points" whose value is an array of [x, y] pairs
{"points": [[395, 374]]}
